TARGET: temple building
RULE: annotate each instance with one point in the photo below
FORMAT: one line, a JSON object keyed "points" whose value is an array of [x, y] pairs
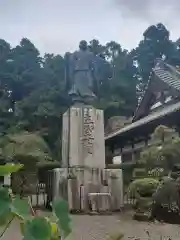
{"points": [[160, 105]]}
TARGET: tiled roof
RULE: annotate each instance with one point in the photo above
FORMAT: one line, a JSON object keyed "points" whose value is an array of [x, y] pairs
{"points": [[153, 116], [168, 74], [165, 73]]}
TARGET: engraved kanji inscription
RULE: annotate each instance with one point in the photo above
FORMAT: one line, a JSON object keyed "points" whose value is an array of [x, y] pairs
{"points": [[88, 138]]}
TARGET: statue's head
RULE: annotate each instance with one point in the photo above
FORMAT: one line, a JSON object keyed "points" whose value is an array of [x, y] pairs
{"points": [[83, 45]]}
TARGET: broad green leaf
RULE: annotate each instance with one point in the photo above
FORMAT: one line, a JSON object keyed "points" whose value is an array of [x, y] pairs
{"points": [[4, 219], [20, 207], [9, 168], [22, 224], [60, 207], [61, 210], [55, 232], [5, 204], [37, 229]]}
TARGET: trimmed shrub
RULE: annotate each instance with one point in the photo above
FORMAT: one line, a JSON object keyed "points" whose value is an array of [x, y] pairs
{"points": [[143, 187]]}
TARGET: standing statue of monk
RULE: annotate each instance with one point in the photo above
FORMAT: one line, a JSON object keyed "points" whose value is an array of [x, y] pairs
{"points": [[82, 74]]}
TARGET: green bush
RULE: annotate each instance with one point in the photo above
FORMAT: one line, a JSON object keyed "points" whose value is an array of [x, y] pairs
{"points": [[143, 187]]}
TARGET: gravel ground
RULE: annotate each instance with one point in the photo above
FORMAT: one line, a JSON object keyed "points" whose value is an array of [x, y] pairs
{"points": [[98, 227]]}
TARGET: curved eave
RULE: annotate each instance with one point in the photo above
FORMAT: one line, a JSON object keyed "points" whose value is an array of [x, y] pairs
{"points": [[152, 117]]}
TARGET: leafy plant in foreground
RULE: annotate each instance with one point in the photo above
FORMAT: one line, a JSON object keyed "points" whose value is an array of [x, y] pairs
{"points": [[33, 227]]}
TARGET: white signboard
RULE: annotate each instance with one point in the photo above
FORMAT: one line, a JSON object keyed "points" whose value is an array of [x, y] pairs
{"points": [[117, 160]]}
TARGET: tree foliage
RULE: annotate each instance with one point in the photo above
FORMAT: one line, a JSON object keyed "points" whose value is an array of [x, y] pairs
{"points": [[26, 148], [142, 191], [33, 89], [164, 150], [143, 187]]}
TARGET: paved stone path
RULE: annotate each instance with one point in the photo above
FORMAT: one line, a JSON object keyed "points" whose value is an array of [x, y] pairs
{"points": [[98, 227]]}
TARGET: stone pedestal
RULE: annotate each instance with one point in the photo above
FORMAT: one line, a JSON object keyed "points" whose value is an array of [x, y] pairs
{"points": [[83, 138], [83, 155], [83, 150]]}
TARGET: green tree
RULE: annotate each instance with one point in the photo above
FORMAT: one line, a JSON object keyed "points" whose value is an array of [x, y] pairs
{"points": [[156, 44], [120, 95], [33, 90], [28, 149], [26, 69], [6, 80], [25, 147], [42, 109], [164, 150], [96, 47]]}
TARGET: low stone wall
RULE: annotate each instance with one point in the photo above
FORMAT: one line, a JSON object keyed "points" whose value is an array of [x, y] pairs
{"points": [[92, 190]]}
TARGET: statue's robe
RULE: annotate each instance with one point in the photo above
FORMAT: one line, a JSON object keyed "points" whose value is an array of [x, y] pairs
{"points": [[81, 73]]}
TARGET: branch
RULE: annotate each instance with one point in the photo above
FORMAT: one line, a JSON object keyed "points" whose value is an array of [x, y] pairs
{"points": [[31, 208], [6, 227]]}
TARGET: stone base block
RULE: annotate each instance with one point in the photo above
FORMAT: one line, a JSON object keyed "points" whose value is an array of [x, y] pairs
{"points": [[83, 137]]}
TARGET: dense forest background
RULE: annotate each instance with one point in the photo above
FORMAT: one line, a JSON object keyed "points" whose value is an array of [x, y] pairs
{"points": [[32, 87]]}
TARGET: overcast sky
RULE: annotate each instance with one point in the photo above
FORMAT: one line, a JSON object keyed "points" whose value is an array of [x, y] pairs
{"points": [[56, 26]]}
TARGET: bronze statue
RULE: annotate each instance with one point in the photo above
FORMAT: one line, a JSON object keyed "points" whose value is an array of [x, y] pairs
{"points": [[83, 74]]}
